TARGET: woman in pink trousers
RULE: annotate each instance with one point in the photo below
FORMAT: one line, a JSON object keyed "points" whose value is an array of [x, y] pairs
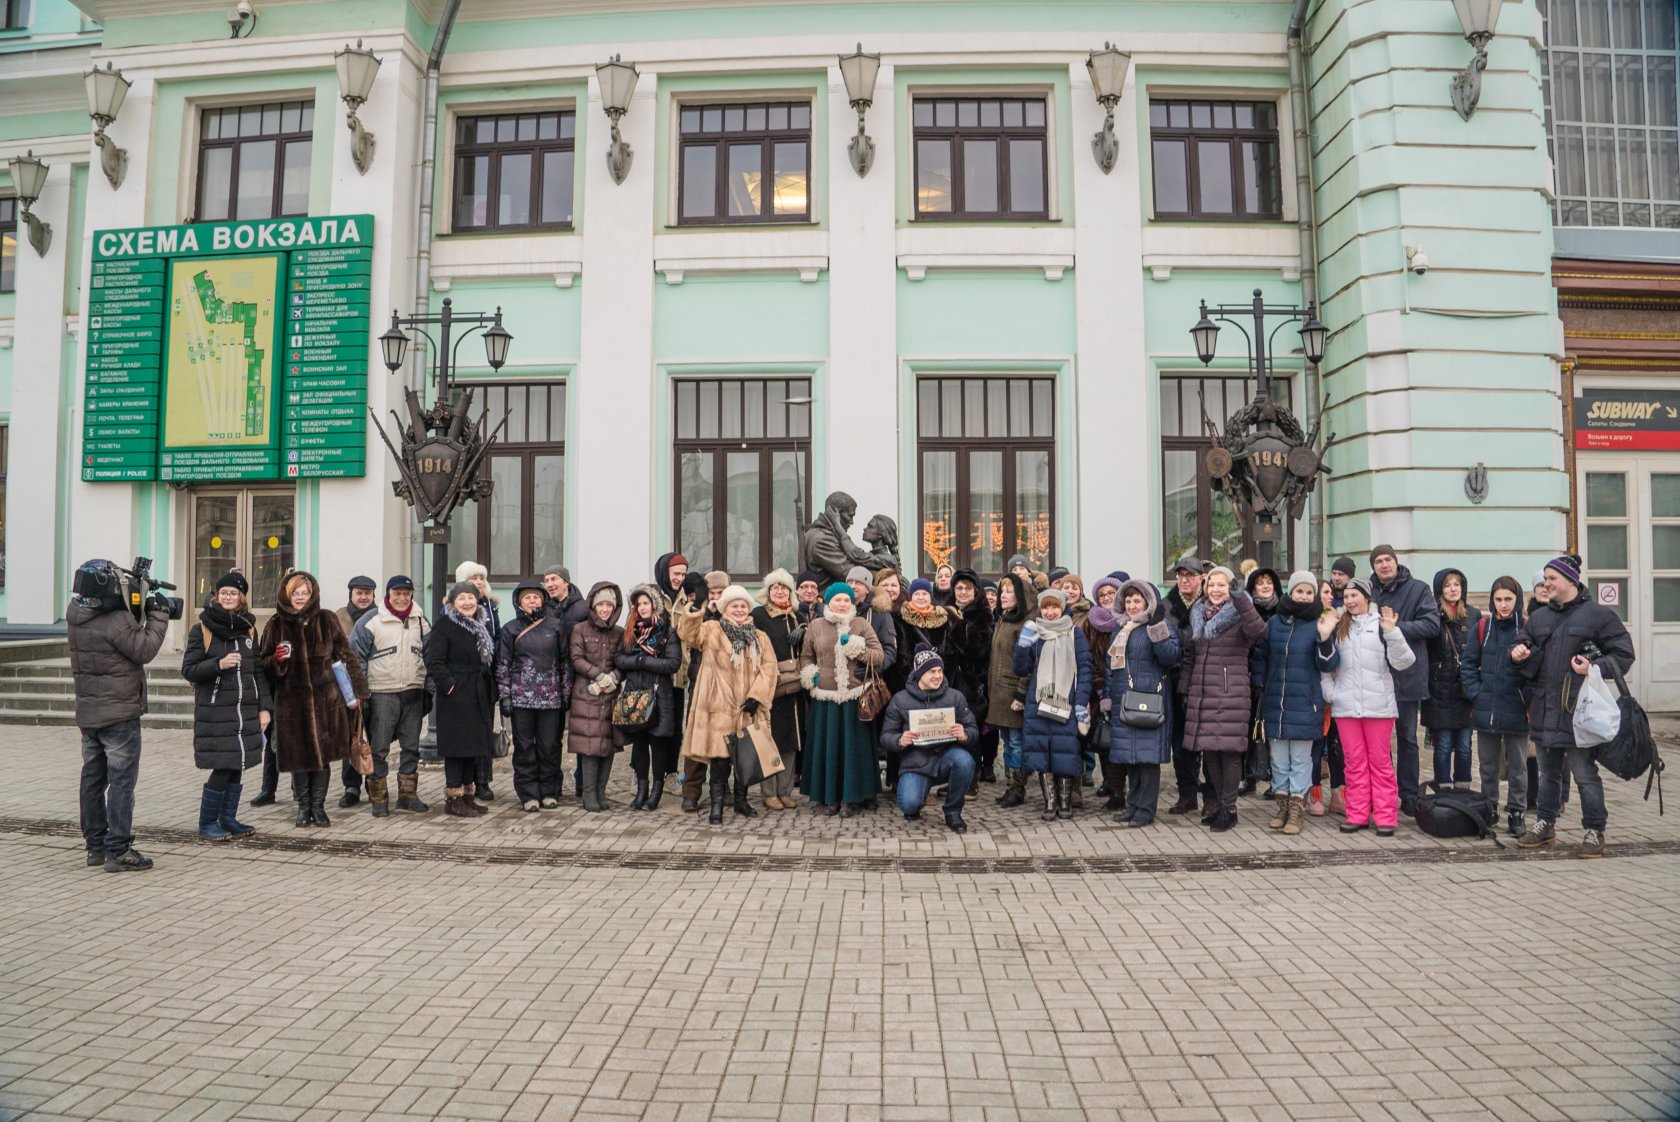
{"points": [[1356, 654]]}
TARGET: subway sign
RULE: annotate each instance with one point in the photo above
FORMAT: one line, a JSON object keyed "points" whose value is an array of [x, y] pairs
{"points": [[1627, 420]]}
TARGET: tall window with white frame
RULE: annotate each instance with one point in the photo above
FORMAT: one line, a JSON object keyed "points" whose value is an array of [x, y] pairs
{"points": [[521, 528], [744, 164], [981, 158], [1215, 160], [1613, 111], [514, 171], [742, 472], [8, 243], [253, 161], [986, 453]]}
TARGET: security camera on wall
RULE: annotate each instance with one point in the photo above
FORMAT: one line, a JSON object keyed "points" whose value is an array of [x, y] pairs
{"points": [[1416, 260], [240, 15]]}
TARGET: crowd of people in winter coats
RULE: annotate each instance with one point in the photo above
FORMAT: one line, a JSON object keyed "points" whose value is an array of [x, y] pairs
{"points": [[1315, 688]]}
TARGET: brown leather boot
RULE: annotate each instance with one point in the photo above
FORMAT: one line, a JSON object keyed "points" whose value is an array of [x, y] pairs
{"points": [[1281, 818], [1296, 814], [376, 797], [408, 793]]}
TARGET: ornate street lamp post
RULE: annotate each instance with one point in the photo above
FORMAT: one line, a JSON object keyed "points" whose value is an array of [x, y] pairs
{"points": [[441, 447], [1263, 460]]}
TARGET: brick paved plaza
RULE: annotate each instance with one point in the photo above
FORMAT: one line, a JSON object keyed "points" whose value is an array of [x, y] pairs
{"points": [[565, 965]]}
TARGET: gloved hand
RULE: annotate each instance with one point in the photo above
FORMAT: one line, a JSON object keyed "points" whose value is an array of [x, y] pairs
{"points": [[1107, 705], [593, 689], [1029, 634], [1082, 714], [1017, 706], [854, 649], [605, 683], [694, 587], [750, 707]]}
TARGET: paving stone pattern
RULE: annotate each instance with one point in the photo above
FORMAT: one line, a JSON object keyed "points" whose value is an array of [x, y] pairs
{"points": [[246, 982]]}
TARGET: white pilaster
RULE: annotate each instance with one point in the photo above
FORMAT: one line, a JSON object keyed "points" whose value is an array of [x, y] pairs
{"points": [[1115, 414], [611, 397], [38, 461], [862, 392]]}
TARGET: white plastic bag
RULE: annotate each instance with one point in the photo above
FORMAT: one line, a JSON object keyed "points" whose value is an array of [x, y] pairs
{"points": [[1597, 716]]}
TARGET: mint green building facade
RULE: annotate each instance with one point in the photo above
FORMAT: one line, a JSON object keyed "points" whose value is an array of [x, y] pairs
{"points": [[985, 338]]}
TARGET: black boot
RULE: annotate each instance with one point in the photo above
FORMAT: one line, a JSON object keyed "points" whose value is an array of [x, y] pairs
{"points": [[304, 818], [300, 795], [589, 779], [640, 801], [318, 798], [954, 822], [1016, 793], [742, 806], [1065, 788], [719, 791], [656, 788], [1050, 799], [209, 815]]}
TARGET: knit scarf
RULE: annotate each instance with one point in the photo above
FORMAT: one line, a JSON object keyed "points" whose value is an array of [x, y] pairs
{"points": [[1102, 619], [402, 615], [476, 628], [1211, 622], [226, 625], [1117, 649], [646, 634], [740, 636], [1058, 666]]}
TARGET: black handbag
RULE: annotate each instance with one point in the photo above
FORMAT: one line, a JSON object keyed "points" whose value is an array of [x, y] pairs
{"points": [[1141, 710]]}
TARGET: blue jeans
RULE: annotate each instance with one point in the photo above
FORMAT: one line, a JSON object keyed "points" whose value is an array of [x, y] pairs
{"points": [[1014, 743], [110, 766], [954, 766], [1292, 766], [1452, 755], [1580, 761]]}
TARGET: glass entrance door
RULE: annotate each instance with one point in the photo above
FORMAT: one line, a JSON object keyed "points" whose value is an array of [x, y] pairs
{"points": [[1630, 538], [251, 529]]}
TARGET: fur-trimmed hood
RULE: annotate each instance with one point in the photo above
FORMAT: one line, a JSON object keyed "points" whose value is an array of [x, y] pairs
{"points": [[618, 608], [651, 591]]}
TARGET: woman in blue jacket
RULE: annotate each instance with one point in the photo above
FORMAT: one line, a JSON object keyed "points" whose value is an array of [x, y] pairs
{"points": [[1143, 648], [1499, 699], [1056, 661], [1285, 666]]}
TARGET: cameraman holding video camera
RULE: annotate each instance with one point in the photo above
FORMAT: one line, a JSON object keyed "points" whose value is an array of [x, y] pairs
{"points": [[117, 621]]}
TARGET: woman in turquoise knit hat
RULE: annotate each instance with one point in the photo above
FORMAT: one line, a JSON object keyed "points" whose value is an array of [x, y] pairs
{"points": [[838, 653]]}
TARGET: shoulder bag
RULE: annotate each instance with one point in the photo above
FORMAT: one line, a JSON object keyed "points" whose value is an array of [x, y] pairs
{"points": [[1142, 710]]}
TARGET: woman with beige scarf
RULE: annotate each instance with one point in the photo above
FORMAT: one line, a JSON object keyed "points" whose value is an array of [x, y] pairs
{"points": [[1139, 700]]}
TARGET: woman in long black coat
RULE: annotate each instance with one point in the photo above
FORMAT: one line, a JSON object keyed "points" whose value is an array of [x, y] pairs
{"points": [[231, 703], [460, 660], [648, 657], [968, 657], [777, 615]]}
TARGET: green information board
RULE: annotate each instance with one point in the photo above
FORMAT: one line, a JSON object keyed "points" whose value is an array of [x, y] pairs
{"points": [[229, 351]]}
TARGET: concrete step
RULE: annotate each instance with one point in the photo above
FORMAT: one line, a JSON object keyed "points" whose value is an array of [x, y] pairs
{"points": [[68, 719], [157, 672], [66, 703], [158, 689], [33, 650]]}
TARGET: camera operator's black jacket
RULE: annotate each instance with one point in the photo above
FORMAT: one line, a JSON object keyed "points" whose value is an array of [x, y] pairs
{"points": [[109, 651]]}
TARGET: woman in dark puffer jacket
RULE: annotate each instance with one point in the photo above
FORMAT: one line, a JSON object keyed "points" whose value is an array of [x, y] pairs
{"points": [[1499, 699], [1052, 655], [231, 704], [533, 673], [1214, 677], [595, 686], [1446, 712], [1285, 665], [1140, 652], [648, 658]]}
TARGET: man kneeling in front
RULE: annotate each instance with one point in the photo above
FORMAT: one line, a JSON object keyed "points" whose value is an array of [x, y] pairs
{"points": [[930, 724]]}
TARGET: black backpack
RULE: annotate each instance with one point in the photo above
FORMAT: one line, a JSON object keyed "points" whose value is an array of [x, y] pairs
{"points": [[1456, 812], [1632, 752]]}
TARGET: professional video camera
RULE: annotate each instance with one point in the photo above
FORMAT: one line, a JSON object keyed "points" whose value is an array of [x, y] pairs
{"points": [[133, 588]]}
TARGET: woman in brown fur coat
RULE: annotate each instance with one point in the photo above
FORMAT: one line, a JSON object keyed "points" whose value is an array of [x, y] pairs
{"points": [[313, 726], [733, 689]]}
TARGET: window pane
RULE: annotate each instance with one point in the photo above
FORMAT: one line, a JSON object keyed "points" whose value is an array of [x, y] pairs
{"points": [[1634, 163], [1178, 505], [1020, 407], [1035, 114], [464, 543], [699, 188], [1026, 176], [746, 180], [1043, 415], [968, 115], [923, 114], [472, 187], [256, 180], [271, 522], [729, 410], [1607, 547], [1606, 494], [1665, 600], [527, 128], [1262, 183], [980, 176], [933, 176], [8, 277], [1566, 86], [504, 130], [1172, 180], [1222, 116], [1660, 80], [548, 511], [215, 184], [1178, 114], [688, 410], [557, 176], [927, 407], [691, 120], [950, 407], [507, 509], [778, 117], [708, 410], [938, 508], [974, 407], [695, 510], [734, 118], [1630, 88], [752, 404], [1012, 115], [997, 407], [1032, 507], [513, 194], [215, 542], [1665, 543], [991, 115], [1213, 176], [945, 114], [787, 507], [712, 119], [294, 182], [791, 191], [548, 126], [755, 118], [985, 512], [1665, 501], [741, 523], [1596, 89], [250, 121], [799, 416]]}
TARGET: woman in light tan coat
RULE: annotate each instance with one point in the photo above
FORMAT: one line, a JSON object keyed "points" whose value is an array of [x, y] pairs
{"points": [[734, 688]]}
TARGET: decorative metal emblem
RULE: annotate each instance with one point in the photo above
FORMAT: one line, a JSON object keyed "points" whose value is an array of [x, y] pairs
{"points": [[1476, 484], [442, 449], [1263, 459]]}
